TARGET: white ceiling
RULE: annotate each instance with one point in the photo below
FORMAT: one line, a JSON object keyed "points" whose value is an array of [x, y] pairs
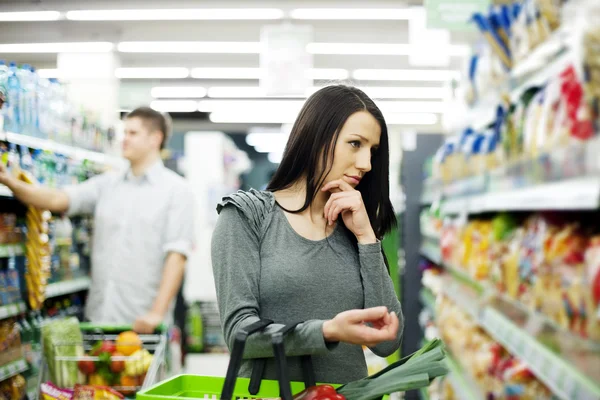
{"points": [[135, 92]]}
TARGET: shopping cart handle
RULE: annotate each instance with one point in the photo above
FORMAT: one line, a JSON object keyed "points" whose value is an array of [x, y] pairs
{"points": [[88, 326]]}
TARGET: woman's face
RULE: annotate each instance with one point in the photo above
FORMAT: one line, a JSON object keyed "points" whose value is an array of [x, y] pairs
{"points": [[357, 141]]}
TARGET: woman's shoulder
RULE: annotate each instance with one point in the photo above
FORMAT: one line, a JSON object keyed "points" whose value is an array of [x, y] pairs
{"points": [[255, 206]]}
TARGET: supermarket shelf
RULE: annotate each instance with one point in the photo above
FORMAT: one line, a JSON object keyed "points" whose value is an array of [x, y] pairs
{"points": [[12, 310], [73, 152], [561, 377], [67, 287], [11, 250], [431, 252], [572, 194], [430, 235], [463, 387], [12, 369]]}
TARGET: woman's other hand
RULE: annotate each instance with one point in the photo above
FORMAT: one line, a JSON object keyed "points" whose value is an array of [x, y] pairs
{"points": [[367, 327]]}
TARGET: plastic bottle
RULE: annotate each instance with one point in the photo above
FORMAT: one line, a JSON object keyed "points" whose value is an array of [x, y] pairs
{"points": [[14, 99], [24, 74], [44, 107], [33, 103], [3, 92], [12, 279], [195, 329]]}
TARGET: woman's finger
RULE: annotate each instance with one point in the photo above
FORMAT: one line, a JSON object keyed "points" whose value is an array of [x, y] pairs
{"points": [[339, 184]]}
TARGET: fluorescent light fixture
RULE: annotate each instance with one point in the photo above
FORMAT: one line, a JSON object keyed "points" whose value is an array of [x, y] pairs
{"points": [[226, 73], [359, 48], [75, 47], [328, 74], [174, 105], [178, 92], [404, 75], [242, 92], [256, 73], [411, 119], [266, 117], [260, 105], [383, 92], [275, 157], [241, 105], [152, 73], [381, 49], [404, 92], [352, 13], [263, 139], [177, 14], [29, 16], [191, 47]]}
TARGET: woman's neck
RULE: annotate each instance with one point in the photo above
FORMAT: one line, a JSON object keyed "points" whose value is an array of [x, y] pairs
{"points": [[294, 197]]}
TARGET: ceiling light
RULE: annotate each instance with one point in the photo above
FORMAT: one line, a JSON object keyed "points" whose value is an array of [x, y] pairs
{"points": [[404, 75], [177, 14], [404, 92], [359, 48], [352, 13], [256, 73], [174, 105], [246, 92], [180, 92], [275, 157], [384, 92], [263, 139], [241, 105], [29, 16], [411, 106], [152, 73], [266, 117], [190, 47], [411, 119], [76, 47]]}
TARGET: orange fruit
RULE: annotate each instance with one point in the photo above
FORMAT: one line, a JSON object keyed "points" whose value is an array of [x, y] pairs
{"points": [[128, 343], [129, 384]]}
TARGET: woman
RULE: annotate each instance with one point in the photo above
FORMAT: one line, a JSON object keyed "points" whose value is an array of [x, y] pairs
{"points": [[308, 249]]}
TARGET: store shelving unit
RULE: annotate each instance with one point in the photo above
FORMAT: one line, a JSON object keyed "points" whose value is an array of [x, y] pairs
{"points": [[431, 252], [11, 369], [12, 310], [70, 151], [464, 388], [559, 372], [11, 250], [67, 287]]}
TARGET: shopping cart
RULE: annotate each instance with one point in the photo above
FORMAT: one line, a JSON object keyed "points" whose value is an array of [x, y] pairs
{"points": [[130, 374]]}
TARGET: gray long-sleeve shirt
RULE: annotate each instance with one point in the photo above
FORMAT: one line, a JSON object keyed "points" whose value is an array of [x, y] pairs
{"points": [[264, 269]]}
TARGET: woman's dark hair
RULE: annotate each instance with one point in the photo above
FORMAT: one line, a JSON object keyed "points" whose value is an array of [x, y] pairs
{"points": [[311, 144]]}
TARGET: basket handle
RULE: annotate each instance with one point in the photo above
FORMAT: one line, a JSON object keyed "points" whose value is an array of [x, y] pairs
{"points": [[281, 362], [237, 353]]}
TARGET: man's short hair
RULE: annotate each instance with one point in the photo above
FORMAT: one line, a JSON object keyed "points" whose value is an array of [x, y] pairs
{"points": [[155, 121]]}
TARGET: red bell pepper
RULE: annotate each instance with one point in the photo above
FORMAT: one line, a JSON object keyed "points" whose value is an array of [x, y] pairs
{"points": [[319, 392]]}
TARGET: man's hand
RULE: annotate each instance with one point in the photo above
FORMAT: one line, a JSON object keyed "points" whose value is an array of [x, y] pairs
{"points": [[148, 323]]}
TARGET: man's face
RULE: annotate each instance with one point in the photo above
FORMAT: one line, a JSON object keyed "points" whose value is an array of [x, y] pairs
{"points": [[139, 140]]}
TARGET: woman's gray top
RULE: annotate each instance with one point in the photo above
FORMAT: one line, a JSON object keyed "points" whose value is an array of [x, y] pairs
{"points": [[264, 269]]}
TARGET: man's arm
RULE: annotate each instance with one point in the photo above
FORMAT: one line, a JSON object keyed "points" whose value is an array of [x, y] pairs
{"points": [[169, 286], [45, 198]]}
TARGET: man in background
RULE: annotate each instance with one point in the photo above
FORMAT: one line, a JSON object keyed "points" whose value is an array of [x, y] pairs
{"points": [[143, 227]]}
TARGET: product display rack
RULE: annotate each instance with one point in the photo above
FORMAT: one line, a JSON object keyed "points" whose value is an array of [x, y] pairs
{"points": [[67, 287], [561, 375], [12, 310], [11, 250], [11, 369]]}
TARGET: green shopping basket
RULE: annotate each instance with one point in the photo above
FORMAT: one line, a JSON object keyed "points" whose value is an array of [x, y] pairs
{"points": [[193, 387]]}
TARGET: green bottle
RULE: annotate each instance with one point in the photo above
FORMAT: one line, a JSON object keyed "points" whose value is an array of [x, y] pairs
{"points": [[195, 329]]}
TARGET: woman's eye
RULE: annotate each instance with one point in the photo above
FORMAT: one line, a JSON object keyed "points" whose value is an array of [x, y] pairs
{"points": [[355, 144]]}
